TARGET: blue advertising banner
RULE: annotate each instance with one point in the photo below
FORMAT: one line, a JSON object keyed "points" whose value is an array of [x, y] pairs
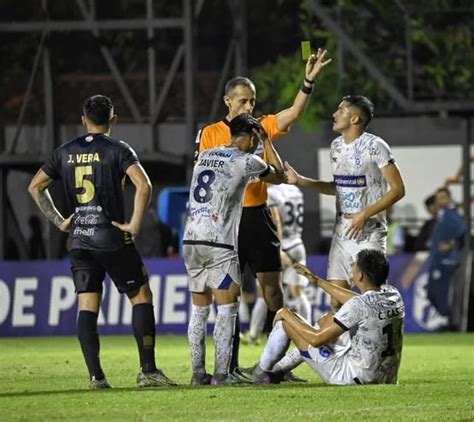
{"points": [[37, 297]]}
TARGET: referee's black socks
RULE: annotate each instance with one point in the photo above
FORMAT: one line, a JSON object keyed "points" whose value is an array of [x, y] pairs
{"points": [[143, 321], [267, 329], [89, 340]]}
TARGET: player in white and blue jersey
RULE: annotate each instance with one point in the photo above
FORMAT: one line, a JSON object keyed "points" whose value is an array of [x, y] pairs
{"points": [[219, 180], [366, 182], [287, 202], [361, 343]]}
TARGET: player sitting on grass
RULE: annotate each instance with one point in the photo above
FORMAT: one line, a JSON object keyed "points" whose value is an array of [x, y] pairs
{"points": [[374, 318]]}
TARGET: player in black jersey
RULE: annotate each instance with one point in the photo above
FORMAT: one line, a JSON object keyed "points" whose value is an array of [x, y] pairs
{"points": [[93, 169]]}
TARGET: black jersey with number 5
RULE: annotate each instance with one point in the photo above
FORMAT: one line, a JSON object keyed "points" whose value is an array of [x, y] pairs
{"points": [[92, 169]]}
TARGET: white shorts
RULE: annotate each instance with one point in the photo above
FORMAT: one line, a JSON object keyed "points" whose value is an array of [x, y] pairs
{"points": [[331, 364], [343, 253], [210, 267], [290, 277]]}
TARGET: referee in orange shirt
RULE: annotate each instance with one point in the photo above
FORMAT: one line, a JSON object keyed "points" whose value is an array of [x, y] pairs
{"points": [[258, 242]]}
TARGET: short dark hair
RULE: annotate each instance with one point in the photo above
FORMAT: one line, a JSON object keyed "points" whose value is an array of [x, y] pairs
{"points": [[238, 80], [430, 201], [365, 106], [243, 124], [374, 265], [445, 190], [98, 109]]}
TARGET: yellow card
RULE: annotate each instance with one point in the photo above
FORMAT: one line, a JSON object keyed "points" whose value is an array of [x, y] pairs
{"points": [[305, 49]]}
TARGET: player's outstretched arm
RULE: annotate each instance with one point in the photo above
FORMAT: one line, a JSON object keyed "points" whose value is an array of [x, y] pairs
{"points": [[315, 63], [341, 294], [142, 184], [294, 178], [38, 189]]}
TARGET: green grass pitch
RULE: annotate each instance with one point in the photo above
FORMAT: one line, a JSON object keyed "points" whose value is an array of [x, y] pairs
{"points": [[44, 379]]}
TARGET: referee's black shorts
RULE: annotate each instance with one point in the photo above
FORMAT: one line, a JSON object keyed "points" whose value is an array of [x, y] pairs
{"points": [[259, 246], [124, 266]]}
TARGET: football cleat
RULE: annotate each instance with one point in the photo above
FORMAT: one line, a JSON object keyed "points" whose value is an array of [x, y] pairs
{"points": [[256, 375], [291, 377], [154, 379], [248, 339], [201, 379], [288, 376], [96, 384], [233, 378]]}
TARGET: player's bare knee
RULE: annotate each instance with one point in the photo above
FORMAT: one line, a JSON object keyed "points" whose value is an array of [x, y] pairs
{"points": [[141, 295]]}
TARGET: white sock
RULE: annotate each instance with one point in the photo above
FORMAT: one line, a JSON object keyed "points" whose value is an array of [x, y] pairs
{"points": [[197, 338], [224, 329], [244, 315], [277, 345], [259, 316], [289, 361], [303, 307]]}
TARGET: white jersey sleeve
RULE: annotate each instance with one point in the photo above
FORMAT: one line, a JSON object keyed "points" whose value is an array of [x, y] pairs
{"points": [[350, 314], [381, 153], [255, 166], [274, 197]]}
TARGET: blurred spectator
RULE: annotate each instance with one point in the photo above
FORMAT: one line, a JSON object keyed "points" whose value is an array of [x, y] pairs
{"points": [[446, 245], [36, 248], [395, 234], [423, 240], [157, 239]]}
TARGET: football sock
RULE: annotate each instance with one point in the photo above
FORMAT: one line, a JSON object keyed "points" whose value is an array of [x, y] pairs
{"points": [[250, 306], [277, 345], [224, 330], [259, 315], [90, 344], [197, 337], [143, 321], [289, 361], [303, 307], [269, 321], [234, 360]]}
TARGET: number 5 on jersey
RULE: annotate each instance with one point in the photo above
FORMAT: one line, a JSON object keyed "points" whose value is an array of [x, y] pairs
{"points": [[88, 189]]}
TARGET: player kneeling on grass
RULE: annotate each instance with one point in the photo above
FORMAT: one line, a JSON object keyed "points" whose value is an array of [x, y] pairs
{"points": [[369, 355], [219, 180]]}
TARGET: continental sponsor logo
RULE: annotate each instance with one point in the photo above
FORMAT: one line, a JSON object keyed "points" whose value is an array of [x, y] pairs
{"points": [[350, 181]]}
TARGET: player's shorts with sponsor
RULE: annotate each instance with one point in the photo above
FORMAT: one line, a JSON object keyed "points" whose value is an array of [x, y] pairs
{"points": [[344, 250], [333, 368], [210, 265], [259, 246], [124, 266], [297, 253]]}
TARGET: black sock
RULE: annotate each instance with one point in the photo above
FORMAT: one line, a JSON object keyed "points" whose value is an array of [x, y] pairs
{"points": [[143, 321], [234, 360], [269, 322], [89, 340]]}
